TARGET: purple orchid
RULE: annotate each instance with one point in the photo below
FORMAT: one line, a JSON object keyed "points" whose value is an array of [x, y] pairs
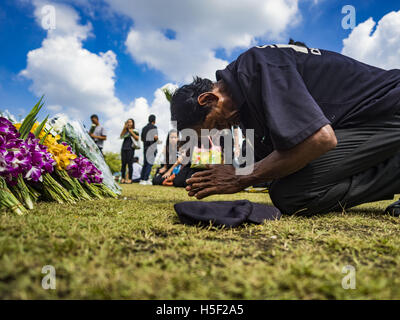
{"points": [[17, 156], [7, 129], [34, 174], [84, 170]]}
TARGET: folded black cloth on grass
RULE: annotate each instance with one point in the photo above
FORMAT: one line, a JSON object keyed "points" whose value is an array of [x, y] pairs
{"points": [[394, 209], [225, 213]]}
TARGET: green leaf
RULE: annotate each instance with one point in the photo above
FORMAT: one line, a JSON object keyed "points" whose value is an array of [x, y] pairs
{"points": [[30, 119], [168, 94], [45, 136], [63, 135], [40, 127]]}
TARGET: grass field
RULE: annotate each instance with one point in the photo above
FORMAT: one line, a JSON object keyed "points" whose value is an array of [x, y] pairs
{"points": [[135, 248]]}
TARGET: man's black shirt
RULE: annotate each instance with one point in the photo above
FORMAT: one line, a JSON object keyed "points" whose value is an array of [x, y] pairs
{"points": [[149, 131], [287, 93]]}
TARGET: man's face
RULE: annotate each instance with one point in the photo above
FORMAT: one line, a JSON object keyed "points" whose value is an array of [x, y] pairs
{"points": [[95, 121], [223, 114]]}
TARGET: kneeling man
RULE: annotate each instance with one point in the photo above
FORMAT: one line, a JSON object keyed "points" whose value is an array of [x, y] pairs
{"points": [[326, 127]]}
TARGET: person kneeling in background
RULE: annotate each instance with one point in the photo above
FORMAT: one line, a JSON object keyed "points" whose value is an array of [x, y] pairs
{"points": [[136, 170], [171, 161]]}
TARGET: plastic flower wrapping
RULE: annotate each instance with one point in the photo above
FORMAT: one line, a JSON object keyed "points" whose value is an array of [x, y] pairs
{"points": [[82, 144]]}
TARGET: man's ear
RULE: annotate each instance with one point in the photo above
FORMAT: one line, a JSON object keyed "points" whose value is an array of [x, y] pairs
{"points": [[207, 98]]}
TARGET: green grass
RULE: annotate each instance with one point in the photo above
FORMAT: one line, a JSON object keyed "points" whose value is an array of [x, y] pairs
{"points": [[135, 248]]}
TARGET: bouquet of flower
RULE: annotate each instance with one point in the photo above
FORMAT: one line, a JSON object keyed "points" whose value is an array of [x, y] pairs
{"points": [[35, 164], [22, 160], [50, 188]]}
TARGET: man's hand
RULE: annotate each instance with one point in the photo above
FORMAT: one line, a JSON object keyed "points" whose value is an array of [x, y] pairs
{"points": [[217, 179]]}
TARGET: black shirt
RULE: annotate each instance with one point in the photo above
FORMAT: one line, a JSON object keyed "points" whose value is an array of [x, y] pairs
{"points": [[287, 93], [127, 142], [149, 131]]}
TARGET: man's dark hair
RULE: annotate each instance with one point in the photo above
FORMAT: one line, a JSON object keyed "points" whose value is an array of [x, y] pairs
{"points": [[135, 159], [185, 109], [94, 116], [152, 118], [297, 43]]}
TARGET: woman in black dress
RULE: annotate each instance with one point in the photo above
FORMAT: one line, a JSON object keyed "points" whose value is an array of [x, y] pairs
{"points": [[129, 135]]}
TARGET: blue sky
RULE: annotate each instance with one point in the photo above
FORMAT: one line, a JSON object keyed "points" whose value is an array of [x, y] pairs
{"points": [[20, 34], [137, 73]]}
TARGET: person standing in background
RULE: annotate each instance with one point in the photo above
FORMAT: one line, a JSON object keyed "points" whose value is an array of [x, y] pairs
{"points": [[97, 132], [149, 137], [130, 137]]}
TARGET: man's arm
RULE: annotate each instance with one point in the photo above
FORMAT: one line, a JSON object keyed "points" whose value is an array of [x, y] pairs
{"points": [[99, 137], [283, 163], [222, 178], [102, 136]]}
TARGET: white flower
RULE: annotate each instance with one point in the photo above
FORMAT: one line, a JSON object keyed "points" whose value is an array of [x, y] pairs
{"points": [[59, 122]]}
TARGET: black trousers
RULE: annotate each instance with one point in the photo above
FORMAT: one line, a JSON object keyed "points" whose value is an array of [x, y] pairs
{"points": [[185, 173], [127, 160], [364, 167]]}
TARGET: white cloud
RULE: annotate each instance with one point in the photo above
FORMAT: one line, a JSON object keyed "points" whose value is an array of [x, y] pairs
{"points": [[379, 47], [69, 75], [139, 110], [79, 82], [171, 56], [201, 28], [55, 107]]}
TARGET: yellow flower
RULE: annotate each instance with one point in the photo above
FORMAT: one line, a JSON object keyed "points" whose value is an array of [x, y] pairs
{"points": [[59, 151], [61, 155]]}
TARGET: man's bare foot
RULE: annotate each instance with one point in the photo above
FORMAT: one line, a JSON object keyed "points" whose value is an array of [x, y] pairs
{"points": [[122, 181], [128, 181]]}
